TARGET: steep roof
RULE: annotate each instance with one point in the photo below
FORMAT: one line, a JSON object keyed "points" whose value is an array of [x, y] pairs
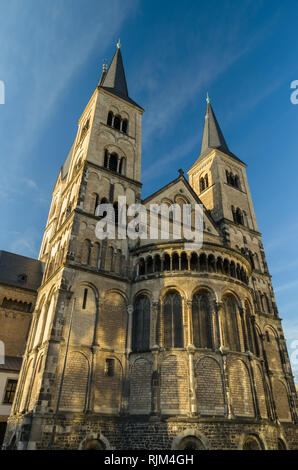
{"points": [[212, 136], [20, 271], [114, 81]]}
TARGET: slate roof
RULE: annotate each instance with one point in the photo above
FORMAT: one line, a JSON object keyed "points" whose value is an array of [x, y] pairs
{"points": [[114, 80], [213, 137], [13, 266]]}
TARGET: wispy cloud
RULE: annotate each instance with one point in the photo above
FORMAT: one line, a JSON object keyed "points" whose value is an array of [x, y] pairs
{"points": [[287, 286], [49, 56]]}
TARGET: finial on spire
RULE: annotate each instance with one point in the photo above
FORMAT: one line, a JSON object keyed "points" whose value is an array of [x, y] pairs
{"points": [[208, 99], [104, 65], [119, 44]]}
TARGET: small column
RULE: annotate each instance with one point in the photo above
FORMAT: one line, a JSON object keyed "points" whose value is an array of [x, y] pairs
{"points": [[129, 329], [243, 336], [153, 330], [192, 388], [230, 412], [189, 321], [219, 318], [155, 383]]}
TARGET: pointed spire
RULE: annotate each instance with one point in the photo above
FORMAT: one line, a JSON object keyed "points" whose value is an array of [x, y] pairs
{"points": [[212, 136], [115, 76]]}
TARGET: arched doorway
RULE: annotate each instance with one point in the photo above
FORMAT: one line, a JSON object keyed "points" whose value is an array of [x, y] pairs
{"points": [[94, 444], [190, 443], [252, 443]]}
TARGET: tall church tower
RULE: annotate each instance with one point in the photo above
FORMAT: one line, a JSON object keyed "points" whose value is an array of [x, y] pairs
{"points": [[85, 279]]}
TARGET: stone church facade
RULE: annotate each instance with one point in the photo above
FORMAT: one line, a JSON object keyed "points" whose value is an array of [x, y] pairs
{"points": [[143, 344]]}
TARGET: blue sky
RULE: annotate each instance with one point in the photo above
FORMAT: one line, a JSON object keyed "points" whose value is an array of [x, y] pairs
{"points": [[245, 55]]}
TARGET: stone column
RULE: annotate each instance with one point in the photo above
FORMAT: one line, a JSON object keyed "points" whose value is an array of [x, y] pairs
{"points": [[243, 335], [153, 329], [189, 320], [129, 329], [192, 388], [155, 383], [219, 318], [230, 412]]}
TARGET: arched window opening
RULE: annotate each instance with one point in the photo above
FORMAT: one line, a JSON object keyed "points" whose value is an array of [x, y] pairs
{"points": [[219, 266], [202, 184], [141, 267], [141, 324], [252, 443], [234, 214], [203, 262], [110, 118], [184, 261], [206, 181], [190, 443], [167, 262], [175, 262], [173, 327], [93, 445], [232, 181], [211, 264], [201, 321], [239, 216], [226, 267], [194, 262], [113, 163], [230, 324], [157, 264], [237, 182], [232, 269], [117, 122], [149, 263], [124, 126], [238, 275]]}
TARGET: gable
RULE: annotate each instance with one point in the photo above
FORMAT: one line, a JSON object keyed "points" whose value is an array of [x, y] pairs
{"points": [[179, 192]]}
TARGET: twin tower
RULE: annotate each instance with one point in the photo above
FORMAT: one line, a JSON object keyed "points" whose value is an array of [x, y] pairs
{"points": [[141, 344]]}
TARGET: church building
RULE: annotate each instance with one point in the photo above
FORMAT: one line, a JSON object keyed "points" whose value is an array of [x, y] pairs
{"points": [[144, 344]]}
